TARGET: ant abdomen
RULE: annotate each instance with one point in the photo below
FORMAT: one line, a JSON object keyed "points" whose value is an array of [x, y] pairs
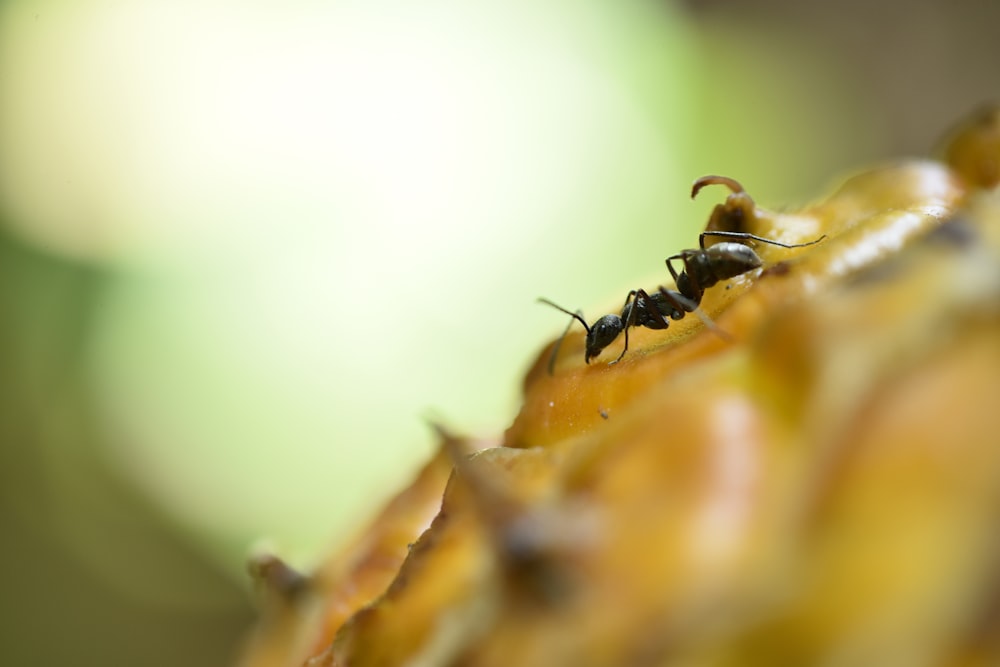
{"points": [[728, 260]]}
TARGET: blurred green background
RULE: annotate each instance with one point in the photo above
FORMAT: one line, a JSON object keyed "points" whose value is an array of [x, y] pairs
{"points": [[245, 247]]}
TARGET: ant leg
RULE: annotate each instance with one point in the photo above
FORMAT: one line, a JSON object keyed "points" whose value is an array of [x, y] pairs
{"points": [[629, 321], [691, 287], [691, 306], [744, 236], [680, 302], [670, 267], [655, 313], [711, 325], [652, 312]]}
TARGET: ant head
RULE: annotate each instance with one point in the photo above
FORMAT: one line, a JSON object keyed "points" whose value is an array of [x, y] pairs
{"points": [[601, 334]]}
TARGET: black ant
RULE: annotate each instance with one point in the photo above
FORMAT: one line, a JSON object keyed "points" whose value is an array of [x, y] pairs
{"points": [[703, 268]]}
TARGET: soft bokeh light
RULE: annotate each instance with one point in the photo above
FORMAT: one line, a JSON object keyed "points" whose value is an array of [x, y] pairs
{"points": [[325, 221], [304, 226]]}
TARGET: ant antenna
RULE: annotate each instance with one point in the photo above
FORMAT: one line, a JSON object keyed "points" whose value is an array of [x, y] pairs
{"points": [[744, 236], [711, 325], [578, 316]]}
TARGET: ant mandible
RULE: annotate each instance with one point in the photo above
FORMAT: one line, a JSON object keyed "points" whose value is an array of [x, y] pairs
{"points": [[703, 268]]}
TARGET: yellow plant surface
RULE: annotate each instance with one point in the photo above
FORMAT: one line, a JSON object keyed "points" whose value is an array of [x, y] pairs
{"points": [[806, 474]]}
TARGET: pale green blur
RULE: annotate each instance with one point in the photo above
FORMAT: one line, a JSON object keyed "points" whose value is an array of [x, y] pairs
{"points": [[308, 225], [326, 220]]}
